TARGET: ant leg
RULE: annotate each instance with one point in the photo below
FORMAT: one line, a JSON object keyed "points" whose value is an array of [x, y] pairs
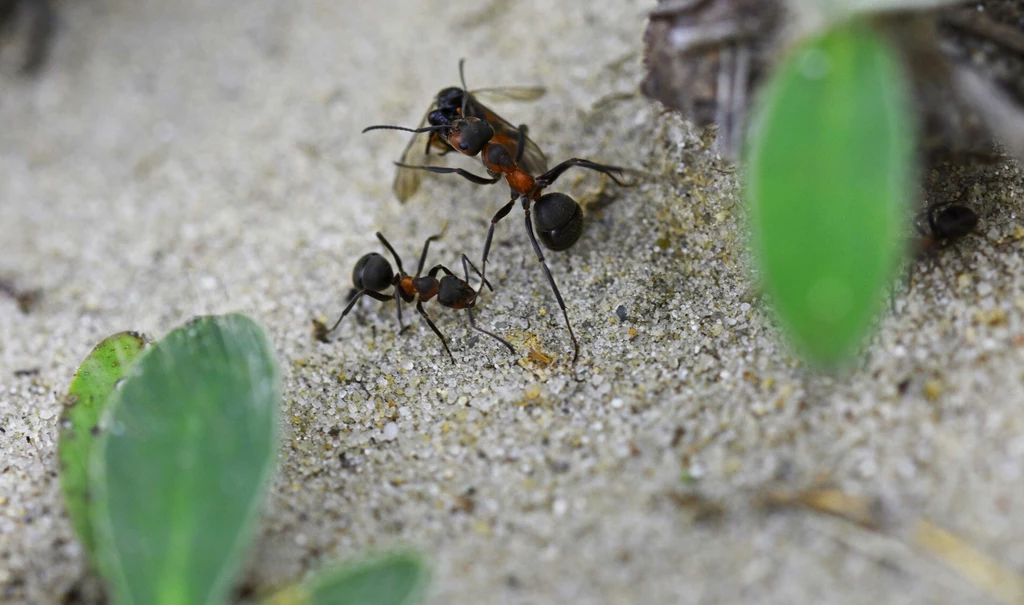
{"points": [[422, 312], [551, 280], [472, 324], [500, 214], [469, 176], [351, 303], [477, 271], [426, 245], [322, 331], [439, 268], [432, 139], [398, 305], [550, 176], [398, 259]]}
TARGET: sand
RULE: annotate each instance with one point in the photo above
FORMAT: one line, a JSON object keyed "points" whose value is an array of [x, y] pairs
{"points": [[194, 157]]}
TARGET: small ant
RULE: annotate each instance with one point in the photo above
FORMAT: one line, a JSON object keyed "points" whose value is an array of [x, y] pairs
{"points": [[373, 275], [559, 216], [27, 299], [946, 223]]}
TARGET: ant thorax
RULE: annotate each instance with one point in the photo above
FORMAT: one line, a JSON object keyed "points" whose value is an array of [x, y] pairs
{"points": [[498, 159]]}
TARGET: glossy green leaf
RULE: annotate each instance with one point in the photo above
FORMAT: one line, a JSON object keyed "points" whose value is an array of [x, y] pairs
{"points": [[181, 466], [830, 177], [393, 579], [87, 399]]}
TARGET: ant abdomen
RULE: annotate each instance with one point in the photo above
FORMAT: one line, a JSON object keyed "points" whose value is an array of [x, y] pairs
{"points": [[558, 221], [952, 221], [454, 293], [373, 272]]}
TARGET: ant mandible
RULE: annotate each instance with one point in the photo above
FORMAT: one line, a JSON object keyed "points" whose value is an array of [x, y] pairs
{"points": [[559, 216], [373, 275]]}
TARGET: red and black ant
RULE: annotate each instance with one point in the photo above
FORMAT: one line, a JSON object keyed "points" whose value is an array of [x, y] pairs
{"points": [[373, 275], [559, 216], [453, 103]]}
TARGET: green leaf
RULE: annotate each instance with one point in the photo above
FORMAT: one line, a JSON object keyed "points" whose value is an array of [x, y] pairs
{"points": [[831, 171], [87, 399], [392, 579], [181, 468]]}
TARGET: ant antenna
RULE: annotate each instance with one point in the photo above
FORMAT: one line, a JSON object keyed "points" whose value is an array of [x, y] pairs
{"points": [[403, 128], [465, 90]]}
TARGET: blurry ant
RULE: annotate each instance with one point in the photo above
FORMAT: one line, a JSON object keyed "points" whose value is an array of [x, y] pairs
{"points": [[946, 224], [559, 217], [42, 25], [373, 275], [27, 299]]}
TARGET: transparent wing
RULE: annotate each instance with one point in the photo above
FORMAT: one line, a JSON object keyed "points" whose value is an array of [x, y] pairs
{"points": [[510, 93], [407, 181], [533, 160], [504, 93]]}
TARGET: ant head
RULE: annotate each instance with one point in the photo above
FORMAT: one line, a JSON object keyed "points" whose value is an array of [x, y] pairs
{"points": [[450, 98], [953, 221], [440, 117], [558, 221], [455, 293], [373, 272], [469, 135]]}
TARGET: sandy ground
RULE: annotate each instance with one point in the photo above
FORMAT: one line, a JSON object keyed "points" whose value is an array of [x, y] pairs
{"points": [[196, 157]]}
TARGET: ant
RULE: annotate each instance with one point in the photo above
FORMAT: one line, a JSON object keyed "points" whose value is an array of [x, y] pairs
{"points": [[373, 275], [946, 223], [452, 103], [559, 216], [42, 25], [27, 299]]}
